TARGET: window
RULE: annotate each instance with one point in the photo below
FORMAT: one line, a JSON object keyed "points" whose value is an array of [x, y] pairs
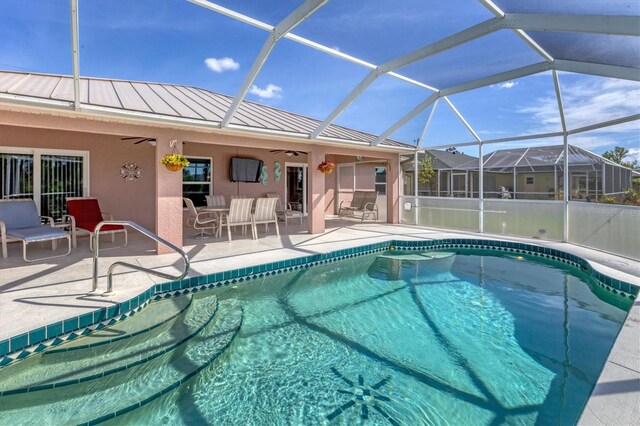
{"points": [[381, 180], [529, 180], [46, 176], [197, 180]]}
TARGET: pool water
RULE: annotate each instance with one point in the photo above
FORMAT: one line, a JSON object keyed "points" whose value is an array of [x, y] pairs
{"points": [[406, 338]]}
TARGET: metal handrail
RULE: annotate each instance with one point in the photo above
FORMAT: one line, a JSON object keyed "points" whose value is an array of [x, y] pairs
{"points": [[96, 249]]}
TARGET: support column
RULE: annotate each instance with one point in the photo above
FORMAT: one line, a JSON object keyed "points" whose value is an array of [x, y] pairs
{"points": [[480, 188], [565, 164], [316, 192], [393, 190], [168, 195], [416, 182]]}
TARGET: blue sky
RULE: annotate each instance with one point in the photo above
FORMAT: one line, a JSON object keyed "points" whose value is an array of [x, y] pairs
{"points": [[174, 41]]}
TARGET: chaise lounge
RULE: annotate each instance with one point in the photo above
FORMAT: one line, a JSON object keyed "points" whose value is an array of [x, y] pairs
{"points": [[20, 221]]}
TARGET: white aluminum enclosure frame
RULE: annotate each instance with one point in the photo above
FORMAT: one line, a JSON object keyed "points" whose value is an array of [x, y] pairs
{"points": [[519, 23]]}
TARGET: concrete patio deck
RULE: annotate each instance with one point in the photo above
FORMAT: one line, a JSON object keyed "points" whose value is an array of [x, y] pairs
{"points": [[36, 294]]}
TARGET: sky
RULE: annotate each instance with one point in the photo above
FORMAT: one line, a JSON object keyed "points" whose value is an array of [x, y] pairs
{"points": [[175, 41]]}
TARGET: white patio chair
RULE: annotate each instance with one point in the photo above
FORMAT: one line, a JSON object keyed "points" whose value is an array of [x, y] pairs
{"points": [[284, 212], [265, 213], [216, 201], [201, 220], [239, 214]]}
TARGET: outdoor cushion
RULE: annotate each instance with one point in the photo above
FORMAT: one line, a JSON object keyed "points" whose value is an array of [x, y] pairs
{"points": [[88, 215], [35, 233], [91, 226], [19, 214]]}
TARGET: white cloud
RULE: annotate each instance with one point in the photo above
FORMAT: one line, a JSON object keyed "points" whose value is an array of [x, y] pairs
{"points": [[270, 92], [587, 102], [633, 155], [222, 64], [506, 85]]}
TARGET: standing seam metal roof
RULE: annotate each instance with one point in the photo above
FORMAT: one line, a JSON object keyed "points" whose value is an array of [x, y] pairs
{"points": [[172, 100]]}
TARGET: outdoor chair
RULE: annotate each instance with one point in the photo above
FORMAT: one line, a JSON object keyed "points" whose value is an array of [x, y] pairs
{"points": [[201, 220], [265, 213], [363, 202], [239, 214], [216, 201], [286, 212], [20, 221], [85, 216]]}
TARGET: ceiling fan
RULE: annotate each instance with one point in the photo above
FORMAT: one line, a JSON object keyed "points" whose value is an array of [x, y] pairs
{"points": [[152, 141], [288, 152]]}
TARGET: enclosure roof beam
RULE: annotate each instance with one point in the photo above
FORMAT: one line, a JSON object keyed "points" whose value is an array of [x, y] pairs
{"points": [[426, 126], [404, 120], [592, 24], [296, 17], [75, 54], [446, 43], [603, 124], [556, 85], [493, 79], [497, 78], [466, 124], [601, 70]]}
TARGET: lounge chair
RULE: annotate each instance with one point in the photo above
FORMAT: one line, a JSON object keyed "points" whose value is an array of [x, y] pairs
{"points": [[265, 213], [239, 214], [363, 203], [201, 220], [85, 215], [20, 221], [284, 212]]}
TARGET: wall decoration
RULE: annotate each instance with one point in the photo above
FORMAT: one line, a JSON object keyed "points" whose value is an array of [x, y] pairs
{"points": [[277, 172], [264, 175], [130, 171]]}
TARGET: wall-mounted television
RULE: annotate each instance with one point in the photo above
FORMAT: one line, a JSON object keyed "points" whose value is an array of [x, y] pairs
{"points": [[245, 169]]}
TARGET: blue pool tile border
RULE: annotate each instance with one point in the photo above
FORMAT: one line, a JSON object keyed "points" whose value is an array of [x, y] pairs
{"points": [[27, 344]]}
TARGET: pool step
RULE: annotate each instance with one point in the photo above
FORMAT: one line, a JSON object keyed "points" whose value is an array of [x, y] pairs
{"points": [[153, 316], [95, 401], [71, 367]]}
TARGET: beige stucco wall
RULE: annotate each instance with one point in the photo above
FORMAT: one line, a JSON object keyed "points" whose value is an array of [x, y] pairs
{"points": [[154, 200], [133, 200]]}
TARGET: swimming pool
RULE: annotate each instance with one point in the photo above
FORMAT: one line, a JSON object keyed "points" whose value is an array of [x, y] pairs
{"points": [[394, 337]]}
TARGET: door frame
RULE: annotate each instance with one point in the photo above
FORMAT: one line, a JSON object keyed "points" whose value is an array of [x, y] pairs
{"points": [[37, 166], [304, 183]]}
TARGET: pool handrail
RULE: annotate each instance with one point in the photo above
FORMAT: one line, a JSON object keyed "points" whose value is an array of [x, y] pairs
{"points": [[96, 254]]}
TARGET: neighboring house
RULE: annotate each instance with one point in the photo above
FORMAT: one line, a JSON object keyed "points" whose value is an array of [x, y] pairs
{"points": [[450, 178], [527, 173]]}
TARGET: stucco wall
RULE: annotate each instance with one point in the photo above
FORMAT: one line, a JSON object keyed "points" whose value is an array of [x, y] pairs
{"points": [[221, 155], [130, 200]]}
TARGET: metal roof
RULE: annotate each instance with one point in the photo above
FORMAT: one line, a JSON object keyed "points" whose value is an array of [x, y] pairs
{"points": [[176, 101], [442, 160]]}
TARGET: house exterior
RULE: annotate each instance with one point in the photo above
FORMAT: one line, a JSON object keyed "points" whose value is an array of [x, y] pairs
{"points": [[451, 179], [534, 173], [50, 150]]}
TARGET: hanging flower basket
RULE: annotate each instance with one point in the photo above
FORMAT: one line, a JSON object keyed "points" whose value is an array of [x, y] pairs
{"points": [[174, 162], [326, 167]]}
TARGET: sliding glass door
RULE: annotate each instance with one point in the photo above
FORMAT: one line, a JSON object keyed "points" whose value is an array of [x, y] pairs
{"points": [[46, 176]]}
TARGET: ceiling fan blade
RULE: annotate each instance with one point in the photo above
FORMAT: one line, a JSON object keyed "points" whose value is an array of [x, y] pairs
{"points": [[295, 153], [140, 141]]}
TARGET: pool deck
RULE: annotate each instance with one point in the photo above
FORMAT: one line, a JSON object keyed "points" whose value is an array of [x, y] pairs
{"points": [[35, 294]]}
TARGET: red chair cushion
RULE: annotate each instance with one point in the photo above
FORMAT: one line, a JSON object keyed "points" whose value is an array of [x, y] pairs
{"points": [[88, 215]]}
